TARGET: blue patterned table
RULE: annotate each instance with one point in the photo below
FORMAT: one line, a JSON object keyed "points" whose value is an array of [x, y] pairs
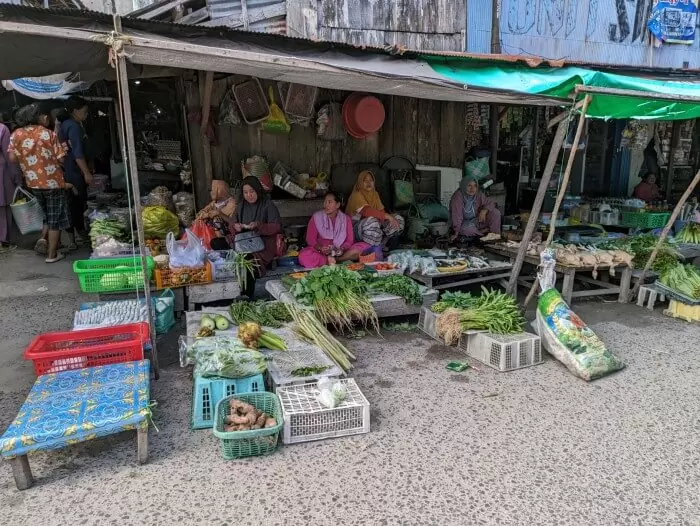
{"points": [[74, 406]]}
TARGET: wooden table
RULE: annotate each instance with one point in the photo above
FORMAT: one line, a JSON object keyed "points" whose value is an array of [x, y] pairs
{"points": [[570, 274], [209, 292], [448, 280]]}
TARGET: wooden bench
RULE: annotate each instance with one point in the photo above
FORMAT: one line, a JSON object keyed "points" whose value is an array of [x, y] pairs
{"points": [[70, 407]]}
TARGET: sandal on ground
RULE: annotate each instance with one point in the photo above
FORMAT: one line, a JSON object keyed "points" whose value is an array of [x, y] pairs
{"points": [[58, 257], [41, 247]]}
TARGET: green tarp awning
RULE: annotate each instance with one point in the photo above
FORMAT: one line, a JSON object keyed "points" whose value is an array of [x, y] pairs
{"points": [[560, 82]]}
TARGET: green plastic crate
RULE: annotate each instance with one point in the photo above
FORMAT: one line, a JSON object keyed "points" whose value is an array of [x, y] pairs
{"points": [[645, 219], [242, 444], [111, 275]]}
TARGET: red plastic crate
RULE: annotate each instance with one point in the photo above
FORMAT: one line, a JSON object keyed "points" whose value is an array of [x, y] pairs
{"points": [[63, 351]]}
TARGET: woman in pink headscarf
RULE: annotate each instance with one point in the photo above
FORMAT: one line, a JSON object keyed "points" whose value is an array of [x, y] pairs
{"points": [[8, 183], [329, 237]]}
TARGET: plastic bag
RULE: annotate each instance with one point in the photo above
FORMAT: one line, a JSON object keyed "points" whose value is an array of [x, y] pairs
{"points": [[428, 266], [332, 393], [221, 356], [164, 311], [204, 231], [188, 254], [276, 122], [228, 111], [158, 222], [403, 193], [571, 341]]}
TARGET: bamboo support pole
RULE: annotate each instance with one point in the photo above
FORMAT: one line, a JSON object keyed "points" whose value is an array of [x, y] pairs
{"points": [[564, 184]]}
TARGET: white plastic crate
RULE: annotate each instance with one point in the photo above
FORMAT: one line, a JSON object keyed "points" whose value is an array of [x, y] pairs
{"points": [[305, 419], [427, 321], [503, 352]]}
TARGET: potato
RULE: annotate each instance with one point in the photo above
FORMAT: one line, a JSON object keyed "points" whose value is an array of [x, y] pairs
{"points": [[270, 422], [256, 426], [252, 417], [261, 420], [245, 408]]}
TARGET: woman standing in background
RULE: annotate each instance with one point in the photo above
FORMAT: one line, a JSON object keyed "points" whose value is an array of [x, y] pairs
{"points": [[77, 171], [8, 183]]}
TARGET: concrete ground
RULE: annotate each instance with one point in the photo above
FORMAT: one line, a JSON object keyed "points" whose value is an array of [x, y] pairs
{"points": [[535, 446]]}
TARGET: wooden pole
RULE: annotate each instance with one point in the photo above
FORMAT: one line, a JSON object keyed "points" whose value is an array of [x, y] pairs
{"points": [[562, 189], [129, 154], [665, 231], [569, 166], [512, 286], [206, 83]]}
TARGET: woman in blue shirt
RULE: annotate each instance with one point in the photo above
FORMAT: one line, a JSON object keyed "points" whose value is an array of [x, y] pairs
{"points": [[75, 166]]}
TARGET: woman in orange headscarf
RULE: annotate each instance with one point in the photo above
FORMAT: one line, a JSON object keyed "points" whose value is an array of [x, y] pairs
{"points": [[371, 223], [218, 213]]}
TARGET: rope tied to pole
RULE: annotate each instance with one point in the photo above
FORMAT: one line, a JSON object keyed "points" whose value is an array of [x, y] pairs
{"points": [[116, 42]]}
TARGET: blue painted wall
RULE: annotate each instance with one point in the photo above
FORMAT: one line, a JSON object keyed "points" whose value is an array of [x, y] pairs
{"points": [[592, 31]]}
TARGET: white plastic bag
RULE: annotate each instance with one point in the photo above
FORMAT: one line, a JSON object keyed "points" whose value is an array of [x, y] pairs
{"points": [[332, 393], [189, 253]]}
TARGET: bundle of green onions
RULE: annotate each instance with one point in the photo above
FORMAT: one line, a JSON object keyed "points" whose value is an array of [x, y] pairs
{"points": [[493, 311], [311, 329], [338, 296], [684, 279]]}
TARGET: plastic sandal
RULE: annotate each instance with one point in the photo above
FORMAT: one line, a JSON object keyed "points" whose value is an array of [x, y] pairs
{"points": [[58, 257]]}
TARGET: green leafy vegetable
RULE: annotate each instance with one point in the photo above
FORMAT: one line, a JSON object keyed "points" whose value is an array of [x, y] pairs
{"points": [[399, 285], [453, 300], [683, 279], [266, 313]]}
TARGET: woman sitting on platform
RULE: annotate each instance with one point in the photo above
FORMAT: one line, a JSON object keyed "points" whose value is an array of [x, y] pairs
{"points": [[329, 237], [472, 214], [371, 223]]}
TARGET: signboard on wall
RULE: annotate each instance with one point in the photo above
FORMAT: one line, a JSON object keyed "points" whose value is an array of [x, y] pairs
{"points": [[673, 21]]}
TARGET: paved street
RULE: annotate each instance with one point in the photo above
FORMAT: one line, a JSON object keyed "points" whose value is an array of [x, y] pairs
{"points": [[536, 446]]}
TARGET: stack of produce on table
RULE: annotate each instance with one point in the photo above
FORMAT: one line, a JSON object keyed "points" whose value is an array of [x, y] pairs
{"points": [[571, 341], [576, 256], [112, 313], [338, 296], [222, 356], [244, 417], [641, 247], [105, 228], [266, 313], [253, 336], [684, 279], [398, 285], [210, 323], [158, 221], [690, 233], [310, 329], [493, 311]]}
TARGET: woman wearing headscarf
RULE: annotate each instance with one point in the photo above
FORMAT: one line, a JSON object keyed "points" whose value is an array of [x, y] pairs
{"points": [[219, 213], [329, 237], [472, 214], [257, 213], [371, 223], [9, 180]]}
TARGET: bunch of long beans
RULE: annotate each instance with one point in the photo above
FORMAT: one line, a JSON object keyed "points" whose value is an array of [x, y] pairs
{"points": [[311, 329], [345, 309], [493, 311]]}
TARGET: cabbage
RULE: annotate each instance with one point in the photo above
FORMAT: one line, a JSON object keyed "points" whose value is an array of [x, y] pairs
{"points": [[158, 221]]}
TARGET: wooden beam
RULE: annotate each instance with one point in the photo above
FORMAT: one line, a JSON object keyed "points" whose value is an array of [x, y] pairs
{"points": [[563, 115], [675, 135], [665, 231], [670, 97], [195, 17], [537, 206], [205, 94], [129, 154], [562, 189], [206, 83], [254, 15], [244, 14]]}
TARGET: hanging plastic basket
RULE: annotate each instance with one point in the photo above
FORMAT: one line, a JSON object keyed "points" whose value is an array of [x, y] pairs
{"points": [[28, 215]]}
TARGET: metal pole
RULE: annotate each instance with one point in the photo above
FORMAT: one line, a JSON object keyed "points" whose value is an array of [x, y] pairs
{"points": [[129, 154]]}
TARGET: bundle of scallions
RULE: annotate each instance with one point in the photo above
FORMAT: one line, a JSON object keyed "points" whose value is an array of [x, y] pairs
{"points": [[311, 329], [493, 311]]}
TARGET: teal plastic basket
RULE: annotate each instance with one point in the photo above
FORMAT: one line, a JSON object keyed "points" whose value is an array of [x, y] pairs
{"points": [[645, 219], [207, 392], [242, 444], [111, 275]]}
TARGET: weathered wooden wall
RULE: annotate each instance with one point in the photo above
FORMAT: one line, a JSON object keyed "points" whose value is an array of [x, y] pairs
{"points": [[435, 25], [427, 132]]}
